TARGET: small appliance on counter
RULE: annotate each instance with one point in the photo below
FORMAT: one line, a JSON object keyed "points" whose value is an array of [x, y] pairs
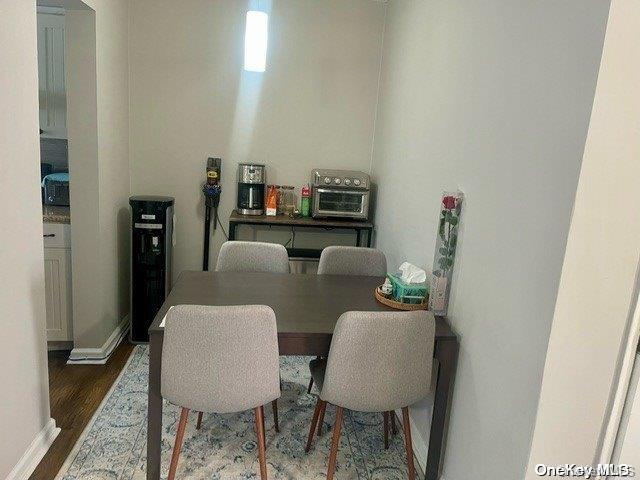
{"points": [[56, 189], [251, 185], [340, 193], [151, 252]]}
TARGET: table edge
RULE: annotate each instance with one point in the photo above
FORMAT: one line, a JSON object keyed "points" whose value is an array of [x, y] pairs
{"points": [[156, 328]]}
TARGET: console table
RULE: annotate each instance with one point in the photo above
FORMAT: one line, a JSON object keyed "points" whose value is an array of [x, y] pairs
{"points": [[359, 226]]}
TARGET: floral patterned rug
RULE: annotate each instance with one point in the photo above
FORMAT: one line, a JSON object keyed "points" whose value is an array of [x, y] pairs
{"points": [[113, 445]]}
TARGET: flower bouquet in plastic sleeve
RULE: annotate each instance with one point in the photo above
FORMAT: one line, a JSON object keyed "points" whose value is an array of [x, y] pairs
{"points": [[446, 242]]}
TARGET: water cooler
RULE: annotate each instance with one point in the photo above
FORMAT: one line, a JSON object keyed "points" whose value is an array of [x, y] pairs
{"points": [[151, 252]]}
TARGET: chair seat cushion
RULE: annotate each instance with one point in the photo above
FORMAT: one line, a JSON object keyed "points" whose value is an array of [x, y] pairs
{"points": [[317, 366]]}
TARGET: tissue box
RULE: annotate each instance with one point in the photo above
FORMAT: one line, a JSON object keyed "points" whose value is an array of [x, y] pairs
{"points": [[407, 292]]}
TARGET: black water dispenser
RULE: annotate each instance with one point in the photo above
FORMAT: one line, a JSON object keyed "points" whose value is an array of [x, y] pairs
{"points": [[151, 252]]}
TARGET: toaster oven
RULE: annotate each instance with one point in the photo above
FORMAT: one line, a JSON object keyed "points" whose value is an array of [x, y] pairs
{"points": [[56, 189], [340, 193]]}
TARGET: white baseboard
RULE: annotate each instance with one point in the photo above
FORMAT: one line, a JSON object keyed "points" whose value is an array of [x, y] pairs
{"points": [[99, 356], [31, 458]]}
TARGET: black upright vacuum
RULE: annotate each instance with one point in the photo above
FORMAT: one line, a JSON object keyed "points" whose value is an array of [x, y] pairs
{"points": [[211, 190]]}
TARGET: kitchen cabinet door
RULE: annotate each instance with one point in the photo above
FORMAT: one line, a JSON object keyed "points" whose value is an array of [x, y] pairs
{"points": [[51, 66], [57, 280]]}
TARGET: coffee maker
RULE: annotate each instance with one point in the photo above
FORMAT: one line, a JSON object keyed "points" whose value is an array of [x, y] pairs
{"points": [[251, 183]]}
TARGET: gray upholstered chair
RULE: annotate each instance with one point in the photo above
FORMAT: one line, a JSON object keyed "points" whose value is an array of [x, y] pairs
{"points": [[352, 261], [238, 256], [378, 362], [338, 260], [220, 359]]}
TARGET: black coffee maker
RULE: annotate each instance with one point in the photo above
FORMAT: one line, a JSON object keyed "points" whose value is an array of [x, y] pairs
{"points": [[251, 184], [151, 245]]}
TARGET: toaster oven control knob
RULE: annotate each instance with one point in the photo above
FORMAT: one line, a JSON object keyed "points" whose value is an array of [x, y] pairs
{"points": [[347, 182], [356, 182], [337, 181], [327, 180]]}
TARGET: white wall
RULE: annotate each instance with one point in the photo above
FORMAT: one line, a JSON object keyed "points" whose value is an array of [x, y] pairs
{"points": [[599, 274], [99, 165], [82, 128], [190, 99], [25, 393], [627, 444], [492, 98], [112, 43]]}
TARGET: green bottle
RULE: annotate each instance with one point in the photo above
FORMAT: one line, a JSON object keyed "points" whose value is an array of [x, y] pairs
{"points": [[305, 201]]}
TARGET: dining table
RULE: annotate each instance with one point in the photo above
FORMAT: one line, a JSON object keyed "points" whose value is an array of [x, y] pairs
{"points": [[307, 308]]}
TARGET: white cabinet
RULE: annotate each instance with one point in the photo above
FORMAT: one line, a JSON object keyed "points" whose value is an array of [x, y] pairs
{"points": [[57, 280], [51, 65]]}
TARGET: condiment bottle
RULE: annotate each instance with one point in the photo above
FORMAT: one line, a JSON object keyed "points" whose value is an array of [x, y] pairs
{"points": [[272, 200], [305, 202], [288, 200]]}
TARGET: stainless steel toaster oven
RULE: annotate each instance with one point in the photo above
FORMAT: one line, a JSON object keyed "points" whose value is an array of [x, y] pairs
{"points": [[340, 193]]}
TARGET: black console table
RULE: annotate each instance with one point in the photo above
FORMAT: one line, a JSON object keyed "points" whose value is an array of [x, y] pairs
{"points": [[359, 226]]}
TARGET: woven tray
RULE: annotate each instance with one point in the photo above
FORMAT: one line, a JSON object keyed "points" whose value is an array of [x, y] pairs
{"points": [[390, 302]]}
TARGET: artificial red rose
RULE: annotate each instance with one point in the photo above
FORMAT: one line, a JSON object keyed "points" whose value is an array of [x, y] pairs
{"points": [[449, 202]]}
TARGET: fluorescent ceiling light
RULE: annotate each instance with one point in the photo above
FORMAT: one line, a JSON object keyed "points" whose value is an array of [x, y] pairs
{"points": [[255, 41]]}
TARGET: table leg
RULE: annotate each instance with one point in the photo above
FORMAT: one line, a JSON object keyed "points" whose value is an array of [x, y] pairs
{"points": [[446, 353], [232, 230], [154, 425], [357, 237]]}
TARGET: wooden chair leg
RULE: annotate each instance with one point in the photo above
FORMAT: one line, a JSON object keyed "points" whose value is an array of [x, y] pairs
{"points": [[199, 422], [184, 416], [262, 456], [407, 443], [274, 405], [334, 444], [264, 429], [386, 430], [392, 414], [323, 408], [314, 421]]}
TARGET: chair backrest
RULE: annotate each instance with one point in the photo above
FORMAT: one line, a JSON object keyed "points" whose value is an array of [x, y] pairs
{"points": [[220, 359], [380, 361], [237, 256], [352, 261]]}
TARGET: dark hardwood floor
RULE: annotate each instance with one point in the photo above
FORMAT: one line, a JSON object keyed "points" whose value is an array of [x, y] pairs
{"points": [[76, 392]]}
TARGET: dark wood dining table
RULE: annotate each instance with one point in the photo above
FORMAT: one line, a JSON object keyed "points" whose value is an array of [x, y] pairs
{"points": [[307, 308]]}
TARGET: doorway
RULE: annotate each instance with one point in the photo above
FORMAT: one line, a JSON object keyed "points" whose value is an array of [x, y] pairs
{"points": [[69, 155], [69, 163]]}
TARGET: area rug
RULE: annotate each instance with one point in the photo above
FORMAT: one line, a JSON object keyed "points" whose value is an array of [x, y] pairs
{"points": [[113, 446]]}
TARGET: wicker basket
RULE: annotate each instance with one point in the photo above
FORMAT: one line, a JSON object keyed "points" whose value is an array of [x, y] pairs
{"points": [[390, 302]]}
